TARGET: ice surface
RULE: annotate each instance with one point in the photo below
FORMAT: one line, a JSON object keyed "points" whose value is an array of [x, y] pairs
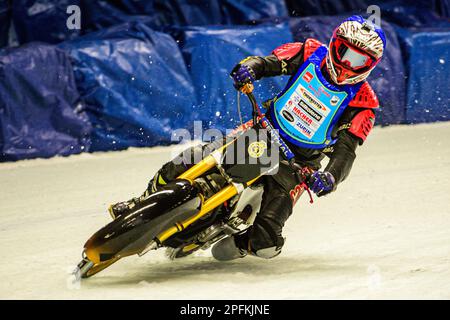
{"points": [[384, 234]]}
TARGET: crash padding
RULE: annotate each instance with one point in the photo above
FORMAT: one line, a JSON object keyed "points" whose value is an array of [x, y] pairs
{"points": [[248, 11], [135, 84], [41, 114], [162, 13], [5, 19], [428, 84], [43, 20], [406, 13]]}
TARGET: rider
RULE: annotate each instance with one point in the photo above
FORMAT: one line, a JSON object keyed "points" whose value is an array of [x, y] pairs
{"points": [[332, 104]]}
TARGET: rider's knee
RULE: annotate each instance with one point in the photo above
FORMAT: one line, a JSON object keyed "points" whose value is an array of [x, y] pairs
{"points": [[264, 241], [268, 253]]}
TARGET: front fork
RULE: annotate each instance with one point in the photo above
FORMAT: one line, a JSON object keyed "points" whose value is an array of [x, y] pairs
{"points": [[229, 191]]}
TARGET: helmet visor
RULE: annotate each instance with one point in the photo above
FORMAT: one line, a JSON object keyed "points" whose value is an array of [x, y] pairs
{"points": [[351, 57]]}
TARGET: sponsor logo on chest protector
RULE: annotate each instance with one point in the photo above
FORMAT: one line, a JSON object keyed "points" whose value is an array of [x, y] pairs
{"points": [[288, 116]]}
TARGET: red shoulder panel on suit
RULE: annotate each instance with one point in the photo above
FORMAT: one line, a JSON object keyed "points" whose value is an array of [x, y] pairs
{"points": [[311, 45], [288, 50], [362, 124], [365, 98]]}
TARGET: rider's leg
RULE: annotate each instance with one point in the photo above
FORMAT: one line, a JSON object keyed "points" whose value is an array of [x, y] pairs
{"points": [[264, 239], [167, 173]]}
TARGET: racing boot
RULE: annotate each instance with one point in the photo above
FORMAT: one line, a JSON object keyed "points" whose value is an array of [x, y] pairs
{"points": [[238, 246], [167, 173], [124, 207], [230, 248]]}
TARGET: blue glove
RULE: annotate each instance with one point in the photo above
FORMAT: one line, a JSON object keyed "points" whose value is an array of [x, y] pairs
{"points": [[321, 183], [242, 75]]}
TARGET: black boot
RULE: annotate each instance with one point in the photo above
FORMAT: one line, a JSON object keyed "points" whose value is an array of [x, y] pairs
{"points": [[231, 248], [124, 207], [167, 173]]}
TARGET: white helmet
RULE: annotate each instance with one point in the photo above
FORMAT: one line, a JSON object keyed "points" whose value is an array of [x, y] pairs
{"points": [[355, 48]]}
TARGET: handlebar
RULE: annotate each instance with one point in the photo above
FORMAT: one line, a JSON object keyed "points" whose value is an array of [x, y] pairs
{"points": [[247, 88]]}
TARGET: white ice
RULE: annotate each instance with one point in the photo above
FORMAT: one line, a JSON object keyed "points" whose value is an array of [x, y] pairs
{"points": [[385, 233]]}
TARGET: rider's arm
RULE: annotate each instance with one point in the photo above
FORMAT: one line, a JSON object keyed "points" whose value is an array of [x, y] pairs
{"points": [[284, 60], [356, 124]]}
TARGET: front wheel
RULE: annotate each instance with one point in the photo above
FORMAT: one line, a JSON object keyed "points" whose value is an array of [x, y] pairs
{"points": [[86, 268], [132, 233]]}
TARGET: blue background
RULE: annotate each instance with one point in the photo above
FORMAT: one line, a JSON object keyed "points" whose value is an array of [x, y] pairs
{"points": [[138, 69]]}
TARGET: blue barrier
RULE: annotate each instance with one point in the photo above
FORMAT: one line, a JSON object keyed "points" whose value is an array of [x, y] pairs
{"points": [[156, 14], [211, 53], [415, 15], [42, 20], [135, 84], [5, 17], [443, 8], [41, 114], [387, 79], [243, 11], [129, 85], [45, 20], [101, 14], [191, 12], [406, 13], [160, 14], [428, 85]]}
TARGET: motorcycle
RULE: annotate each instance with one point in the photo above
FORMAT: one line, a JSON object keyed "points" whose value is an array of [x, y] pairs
{"points": [[212, 200]]}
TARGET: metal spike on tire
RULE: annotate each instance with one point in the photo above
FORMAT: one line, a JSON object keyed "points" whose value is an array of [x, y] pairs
{"points": [[82, 268], [171, 253]]}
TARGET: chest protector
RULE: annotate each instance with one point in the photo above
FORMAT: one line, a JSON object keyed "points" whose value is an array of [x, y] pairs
{"points": [[307, 110]]}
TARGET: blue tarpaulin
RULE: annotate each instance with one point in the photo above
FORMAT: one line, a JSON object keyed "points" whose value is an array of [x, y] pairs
{"points": [[43, 20], [5, 18], [135, 83], [211, 53], [442, 7], [160, 14], [326, 7], [387, 79], [123, 80], [405, 12], [243, 11], [41, 114], [415, 15], [190, 12], [104, 14], [428, 85]]}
